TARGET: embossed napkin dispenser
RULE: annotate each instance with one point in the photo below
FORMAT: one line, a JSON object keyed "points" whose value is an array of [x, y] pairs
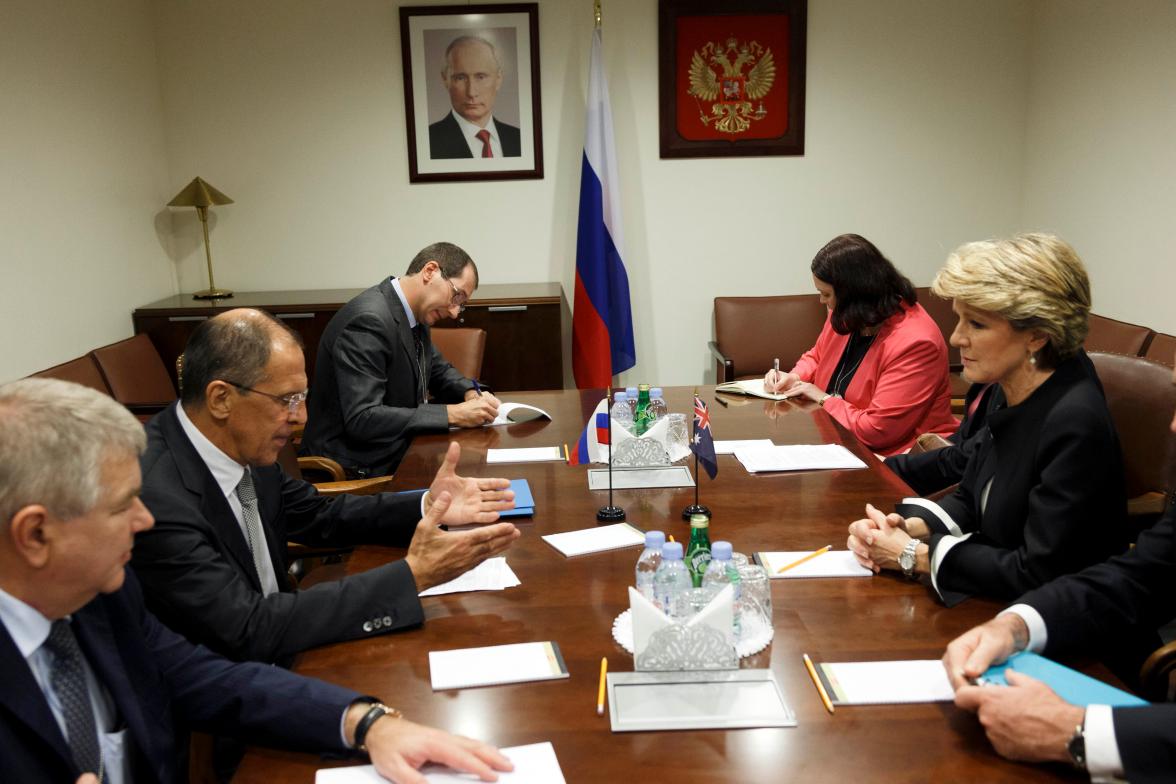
{"points": [[705, 642], [654, 448]]}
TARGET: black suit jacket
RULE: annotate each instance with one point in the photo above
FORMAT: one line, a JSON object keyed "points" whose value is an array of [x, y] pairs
{"points": [[363, 407], [1058, 498], [930, 472], [200, 578], [1116, 605], [161, 684], [447, 141]]}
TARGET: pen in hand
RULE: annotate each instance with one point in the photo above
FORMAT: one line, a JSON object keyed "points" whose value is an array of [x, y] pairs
{"points": [[477, 386], [775, 373]]}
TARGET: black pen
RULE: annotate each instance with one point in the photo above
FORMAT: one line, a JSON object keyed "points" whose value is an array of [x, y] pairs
{"points": [[477, 386], [721, 402]]}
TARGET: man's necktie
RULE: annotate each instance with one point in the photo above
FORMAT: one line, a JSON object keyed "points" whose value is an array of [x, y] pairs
{"points": [[484, 135], [248, 497], [420, 359], [68, 680]]}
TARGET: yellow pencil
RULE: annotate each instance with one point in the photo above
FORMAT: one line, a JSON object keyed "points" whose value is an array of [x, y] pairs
{"points": [[600, 691], [817, 682], [671, 537], [567, 457], [808, 557]]}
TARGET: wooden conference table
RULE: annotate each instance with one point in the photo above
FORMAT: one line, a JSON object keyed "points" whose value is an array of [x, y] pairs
{"points": [[574, 602]]}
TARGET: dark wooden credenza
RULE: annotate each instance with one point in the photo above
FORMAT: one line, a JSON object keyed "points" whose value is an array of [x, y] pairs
{"points": [[525, 326]]}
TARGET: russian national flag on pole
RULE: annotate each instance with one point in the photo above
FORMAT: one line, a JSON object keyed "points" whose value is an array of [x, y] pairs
{"points": [[590, 447], [602, 322]]}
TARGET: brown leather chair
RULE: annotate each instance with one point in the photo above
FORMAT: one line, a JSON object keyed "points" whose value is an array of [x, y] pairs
{"points": [[940, 310], [1116, 337], [1162, 349], [1157, 677], [136, 375], [463, 347], [82, 371], [1141, 398], [752, 331]]}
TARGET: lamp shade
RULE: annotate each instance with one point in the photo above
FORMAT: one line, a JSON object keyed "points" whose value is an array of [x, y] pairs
{"points": [[199, 193]]}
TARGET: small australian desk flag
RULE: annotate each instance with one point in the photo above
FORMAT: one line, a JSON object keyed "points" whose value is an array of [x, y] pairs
{"points": [[702, 444]]}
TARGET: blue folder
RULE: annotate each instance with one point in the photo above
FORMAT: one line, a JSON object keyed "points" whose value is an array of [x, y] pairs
{"points": [[1071, 685], [524, 501]]}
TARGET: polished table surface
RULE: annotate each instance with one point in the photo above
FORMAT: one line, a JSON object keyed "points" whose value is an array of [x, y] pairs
{"points": [[574, 601]]}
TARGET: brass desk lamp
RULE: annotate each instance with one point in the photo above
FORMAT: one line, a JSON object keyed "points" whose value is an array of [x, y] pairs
{"points": [[201, 195]]}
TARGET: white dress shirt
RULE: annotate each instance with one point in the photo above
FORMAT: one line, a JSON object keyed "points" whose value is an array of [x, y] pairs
{"points": [[1102, 749], [469, 132], [29, 630], [227, 474]]}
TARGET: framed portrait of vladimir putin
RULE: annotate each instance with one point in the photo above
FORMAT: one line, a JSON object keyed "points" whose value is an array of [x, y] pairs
{"points": [[471, 92]]}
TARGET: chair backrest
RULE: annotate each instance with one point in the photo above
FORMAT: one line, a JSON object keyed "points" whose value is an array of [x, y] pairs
{"points": [[135, 373], [82, 371], [945, 318], [1116, 337], [752, 331], [1141, 397], [463, 347], [1162, 349]]}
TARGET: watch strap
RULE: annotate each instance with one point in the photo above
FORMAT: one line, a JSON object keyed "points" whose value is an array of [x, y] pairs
{"points": [[1077, 747], [377, 711]]}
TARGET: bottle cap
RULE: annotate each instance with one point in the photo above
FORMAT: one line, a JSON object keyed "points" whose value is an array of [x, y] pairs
{"points": [[631, 390], [643, 387], [672, 551], [655, 392], [655, 539], [721, 551], [620, 396], [699, 521]]}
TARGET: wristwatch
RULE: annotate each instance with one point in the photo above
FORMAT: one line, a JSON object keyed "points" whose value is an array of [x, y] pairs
{"points": [[821, 402], [906, 559], [377, 711], [1077, 747]]}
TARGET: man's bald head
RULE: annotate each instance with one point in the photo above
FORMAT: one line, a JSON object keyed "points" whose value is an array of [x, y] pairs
{"points": [[234, 346]]}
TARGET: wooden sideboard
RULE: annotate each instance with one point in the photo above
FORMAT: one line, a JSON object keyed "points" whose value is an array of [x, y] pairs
{"points": [[525, 323]]}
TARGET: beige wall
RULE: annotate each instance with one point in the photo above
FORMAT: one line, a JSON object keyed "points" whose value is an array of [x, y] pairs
{"points": [[83, 175], [1101, 148], [929, 123]]}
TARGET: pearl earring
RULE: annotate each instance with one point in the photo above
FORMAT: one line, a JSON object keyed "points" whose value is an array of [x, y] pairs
{"points": [[1032, 360]]}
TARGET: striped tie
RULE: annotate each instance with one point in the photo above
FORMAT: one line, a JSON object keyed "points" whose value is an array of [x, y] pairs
{"points": [[248, 497], [68, 680], [484, 135]]}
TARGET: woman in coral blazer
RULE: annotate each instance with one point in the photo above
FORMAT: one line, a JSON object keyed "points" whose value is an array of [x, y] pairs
{"points": [[879, 366]]}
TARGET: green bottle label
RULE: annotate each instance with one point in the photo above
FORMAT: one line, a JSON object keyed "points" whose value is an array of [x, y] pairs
{"points": [[698, 554]]}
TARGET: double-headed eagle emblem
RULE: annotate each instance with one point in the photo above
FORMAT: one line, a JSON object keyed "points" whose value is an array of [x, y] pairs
{"points": [[717, 75]]}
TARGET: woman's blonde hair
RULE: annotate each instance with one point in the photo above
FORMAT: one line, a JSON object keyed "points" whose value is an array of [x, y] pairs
{"points": [[1035, 281]]}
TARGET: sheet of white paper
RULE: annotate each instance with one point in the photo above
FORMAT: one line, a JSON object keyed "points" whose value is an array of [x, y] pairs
{"points": [[493, 574], [749, 386], [504, 410], [729, 447], [889, 682], [835, 563], [494, 664], [531, 454], [535, 763], [798, 457], [595, 540]]}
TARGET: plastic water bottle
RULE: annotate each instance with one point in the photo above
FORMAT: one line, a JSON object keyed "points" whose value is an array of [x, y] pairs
{"points": [[657, 404], [621, 413], [721, 571], [632, 394], [648, 562], [671, 582]]}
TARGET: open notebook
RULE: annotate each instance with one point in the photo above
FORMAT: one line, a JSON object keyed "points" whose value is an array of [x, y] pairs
{"points": [[749, 386]]}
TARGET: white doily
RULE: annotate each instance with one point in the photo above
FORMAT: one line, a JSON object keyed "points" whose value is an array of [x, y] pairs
{"points": [[755, 637]]}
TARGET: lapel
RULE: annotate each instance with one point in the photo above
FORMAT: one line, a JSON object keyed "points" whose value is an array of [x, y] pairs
{"points": [[23, 698], [404, 333], [214, 508]]}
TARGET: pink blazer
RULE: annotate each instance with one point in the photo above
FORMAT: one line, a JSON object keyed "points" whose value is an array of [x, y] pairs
{"points": [[899, 391]]}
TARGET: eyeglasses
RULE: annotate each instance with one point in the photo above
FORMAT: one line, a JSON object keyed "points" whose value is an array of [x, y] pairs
{"points": [[459, 296], [291, 401]]}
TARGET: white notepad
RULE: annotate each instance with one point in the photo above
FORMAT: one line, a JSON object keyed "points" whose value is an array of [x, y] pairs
{"points": [[511, 413], [532, 454], [596, 540], [730, 447], [835, 563], [886, 682], [535, 763], [494, 665], [798, 457]]}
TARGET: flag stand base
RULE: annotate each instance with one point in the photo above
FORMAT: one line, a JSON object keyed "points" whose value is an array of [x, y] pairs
{"points": [[610, 514], [694, 509]]}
